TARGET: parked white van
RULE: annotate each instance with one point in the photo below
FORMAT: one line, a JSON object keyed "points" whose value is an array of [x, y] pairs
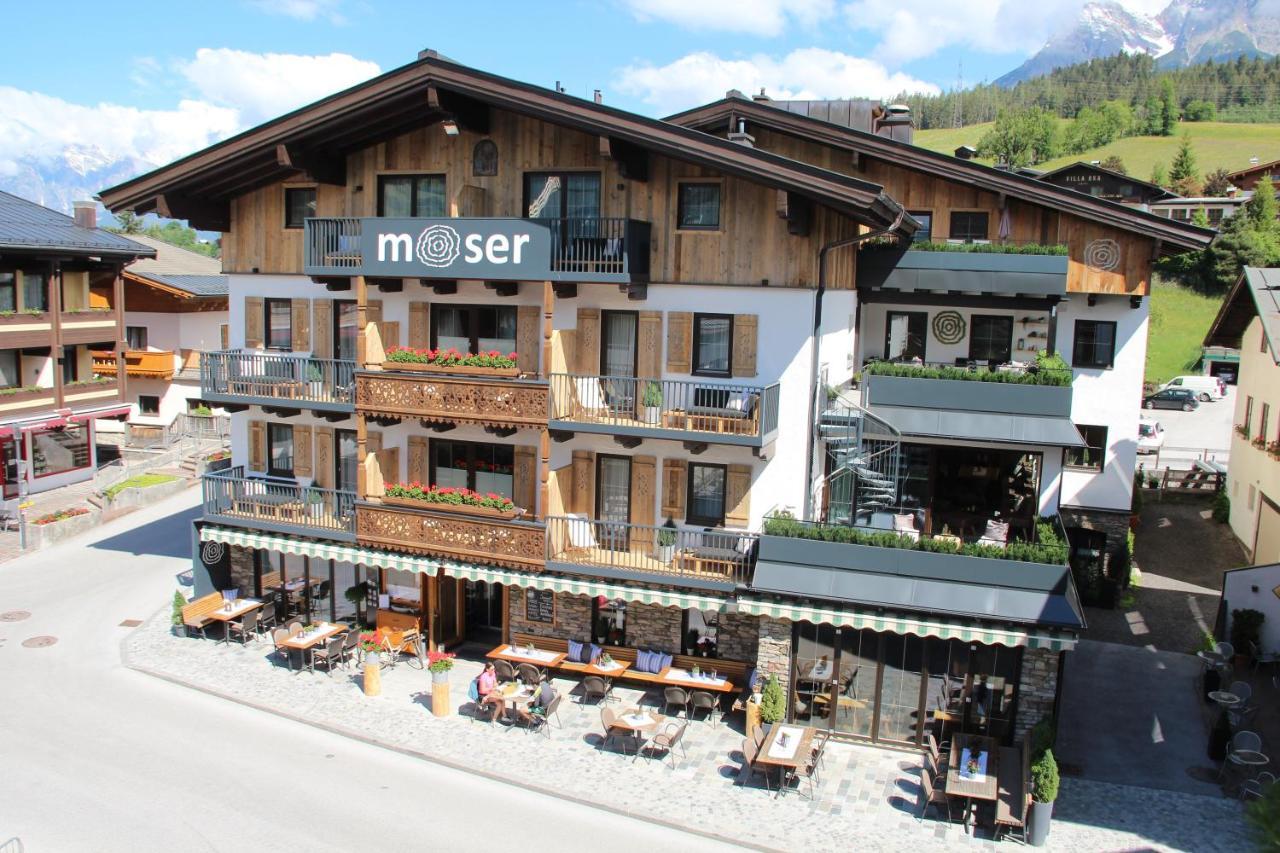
{"points": [[1206, 387]]}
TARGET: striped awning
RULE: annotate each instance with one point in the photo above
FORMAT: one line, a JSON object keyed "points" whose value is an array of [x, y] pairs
{"points": [[371, 557], [968, 630], [584, 586]]}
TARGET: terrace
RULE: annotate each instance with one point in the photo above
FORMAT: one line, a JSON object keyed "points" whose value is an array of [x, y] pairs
{"points": [[244, 378]]}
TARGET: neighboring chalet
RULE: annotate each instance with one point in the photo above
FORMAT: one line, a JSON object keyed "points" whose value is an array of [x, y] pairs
{"points": [[679, 310], [1092, 179], [1216, 208], [61, 298], [1247, 179]]}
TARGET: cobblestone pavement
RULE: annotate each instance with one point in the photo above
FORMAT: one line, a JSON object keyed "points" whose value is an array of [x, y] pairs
{"points": [[866, 800]]}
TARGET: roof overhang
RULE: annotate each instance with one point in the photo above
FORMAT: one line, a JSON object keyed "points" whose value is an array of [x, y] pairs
{"points": [[313, 141], [1255, 294], [986, 427], [1174, 236]]}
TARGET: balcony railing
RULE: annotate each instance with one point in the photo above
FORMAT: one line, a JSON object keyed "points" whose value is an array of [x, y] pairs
{"points": [[1000, 269], [679, 409], [268, 377], [152, 364], [628, 550], [449, 532], [991, 391], [278, 505], [609, 249], [491, 401]]}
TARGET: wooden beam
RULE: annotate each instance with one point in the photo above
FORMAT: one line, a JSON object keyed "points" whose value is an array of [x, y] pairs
{"points": [[322, 168], [797, 210], [442, 288], [565, 289], [201, 214], [503, 288]]}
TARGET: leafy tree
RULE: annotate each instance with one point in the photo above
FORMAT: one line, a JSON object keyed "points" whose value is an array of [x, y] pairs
{"points": [[1183, 176], [1151, 123], [1115, 164], [1021, 137], [179, 600], [1250, 238], [1200, 218], [1264, 817], [1261, 208], [1216, 183], [1200, 110], [1157, 174]]}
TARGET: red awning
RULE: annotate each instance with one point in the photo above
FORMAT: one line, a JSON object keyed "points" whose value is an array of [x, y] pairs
{"points": [[47, 423], [117, 412], [6, 432]]}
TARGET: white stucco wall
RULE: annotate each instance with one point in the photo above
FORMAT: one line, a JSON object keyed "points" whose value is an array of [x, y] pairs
{"points": [[1238, 593]]}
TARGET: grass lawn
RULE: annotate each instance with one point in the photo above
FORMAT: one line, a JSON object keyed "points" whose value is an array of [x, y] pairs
{"points": [[141, 481], [1180, 317], [1215, 144]]}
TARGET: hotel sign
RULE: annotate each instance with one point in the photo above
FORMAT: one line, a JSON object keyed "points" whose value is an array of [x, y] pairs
{"points": [[456, 248]]}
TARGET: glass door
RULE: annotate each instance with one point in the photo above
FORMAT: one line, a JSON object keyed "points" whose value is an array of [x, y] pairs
{"points": [[618, 362], [344, 329], [483, 606], [613, 502], [345, 460], [855, 700], [901, 689], [816, 671]]}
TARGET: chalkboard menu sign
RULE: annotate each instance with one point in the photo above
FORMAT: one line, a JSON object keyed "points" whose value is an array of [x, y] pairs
{"points": [[540, 605], [371, 597]]}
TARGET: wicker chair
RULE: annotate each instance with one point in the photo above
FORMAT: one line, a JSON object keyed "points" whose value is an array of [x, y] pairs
{"points": [[330, 655], [530, 674], [266, 618], [504, 671], [541, 722], [931, 797], [750, 752]]}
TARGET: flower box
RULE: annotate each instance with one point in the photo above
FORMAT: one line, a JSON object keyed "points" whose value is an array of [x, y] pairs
{"points": [[455, 369], [458, 509]]}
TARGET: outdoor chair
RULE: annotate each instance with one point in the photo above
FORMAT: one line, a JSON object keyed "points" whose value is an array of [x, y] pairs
{"points": [[266, 618], [808, 773], [818, 750], [278, 637], [757, 735], [541, 722], [594, 685], [1256, 788], [245, 629], [931, 746], [530, 674], [1260, 657], [666, 742], [701, 700], [329, 655], [930, 764], [750, 752], [931, 797], [609, 719], [295, 622], [504, 671], [677, 696], [350, 646], [1241, 741]]}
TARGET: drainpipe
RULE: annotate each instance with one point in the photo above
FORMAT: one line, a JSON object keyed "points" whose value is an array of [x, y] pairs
{"points": [[814, 347]]}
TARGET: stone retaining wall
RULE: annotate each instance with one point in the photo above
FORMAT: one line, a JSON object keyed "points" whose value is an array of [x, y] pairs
{"points": [[1037, 689]]}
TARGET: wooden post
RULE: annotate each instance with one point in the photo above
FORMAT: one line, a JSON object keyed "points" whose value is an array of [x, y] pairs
{"points": [[362, 317], [117, 290], [440, 698], [55, 311], [362, 448], [548, 312], [544, 441], [432, 607]]}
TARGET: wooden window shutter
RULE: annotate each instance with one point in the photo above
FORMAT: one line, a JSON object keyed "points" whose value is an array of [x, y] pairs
{"points": [[588, 342], [389, 464], [419, 461], [224, 336], [644, 487], [373, 317], [301, 325], [322, 339], [737, 496], [528, 338], [420, 325], [679, 342], [744, 344], [325, 466], [254, 336], [583, 497], [389, 332], [258, 445], [649, 344], [302, 451], [524, 480], [373, 441], [674, 472]]}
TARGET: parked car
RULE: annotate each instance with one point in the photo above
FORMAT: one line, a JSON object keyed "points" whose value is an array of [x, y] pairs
{"points": [[1150, 435], [1172, 398], [1206, 387]]}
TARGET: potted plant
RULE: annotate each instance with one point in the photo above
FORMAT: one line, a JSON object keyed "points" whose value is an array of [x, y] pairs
{"points": [[773, 702], [179, 602], [491, 363], [1246, 631], [315, 380], [461, 500], [1044, 790], [358, 594], [667, 542], [371, 646], [651, 403]]}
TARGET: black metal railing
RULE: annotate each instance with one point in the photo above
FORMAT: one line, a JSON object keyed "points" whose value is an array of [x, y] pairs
{"points": [[231, 494], [297, 378], [710, 555]]}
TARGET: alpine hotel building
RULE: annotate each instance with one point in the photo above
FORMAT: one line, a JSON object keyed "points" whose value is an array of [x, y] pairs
{"points": [[745, 418]]}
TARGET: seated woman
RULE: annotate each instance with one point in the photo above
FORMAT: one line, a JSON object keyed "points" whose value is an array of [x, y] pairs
{"points": [[487, 687]]}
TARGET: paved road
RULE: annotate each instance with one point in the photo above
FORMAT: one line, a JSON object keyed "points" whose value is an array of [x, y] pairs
{"points": [[1188, 436], [96, 757]]}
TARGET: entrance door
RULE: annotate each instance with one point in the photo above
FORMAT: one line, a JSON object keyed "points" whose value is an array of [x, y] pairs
{"points": [[483, 611], [9, 449], [618, 361], [613, 501], [345, 460]]}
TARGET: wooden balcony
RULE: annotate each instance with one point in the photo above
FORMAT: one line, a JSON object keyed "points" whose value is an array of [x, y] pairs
{"points": [[242, 378], [276, 505], [440, 397], [148, 364], [18, 401], [453, 534], [88, 326], [101, 389]]}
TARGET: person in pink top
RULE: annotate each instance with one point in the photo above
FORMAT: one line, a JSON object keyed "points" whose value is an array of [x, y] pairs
{"points": [[487, 687]]}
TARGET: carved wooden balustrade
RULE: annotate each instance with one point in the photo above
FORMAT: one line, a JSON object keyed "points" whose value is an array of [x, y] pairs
{"points": [[463, 399], [445, 533]]}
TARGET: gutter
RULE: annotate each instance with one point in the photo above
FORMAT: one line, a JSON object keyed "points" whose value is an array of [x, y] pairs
{"points": [[814, 345]]}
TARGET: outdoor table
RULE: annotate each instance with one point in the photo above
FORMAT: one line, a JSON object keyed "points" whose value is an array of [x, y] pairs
{"points": [[640, 723], [613, 670], [537, 657], [982, 786], [1250, 758], [306, 641], [789, 756], [674, 677], [238, 609], [514, 695], [1225, 698]]}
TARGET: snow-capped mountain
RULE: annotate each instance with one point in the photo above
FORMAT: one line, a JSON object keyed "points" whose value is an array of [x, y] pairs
{"points": [[1187, 32], [75, 173]]}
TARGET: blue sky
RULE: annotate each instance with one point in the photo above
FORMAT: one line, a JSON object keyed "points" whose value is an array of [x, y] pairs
{"points": [[155, 80]]}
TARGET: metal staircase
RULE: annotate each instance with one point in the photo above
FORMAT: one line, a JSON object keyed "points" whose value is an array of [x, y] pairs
{"points": [[867, 461]]}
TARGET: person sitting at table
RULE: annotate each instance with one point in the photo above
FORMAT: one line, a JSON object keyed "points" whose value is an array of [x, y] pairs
{"points": [[981, 694], [490, 695], [538, 705]]}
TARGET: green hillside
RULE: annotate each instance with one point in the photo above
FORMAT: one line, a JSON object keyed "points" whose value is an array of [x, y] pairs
{"points": [[1180, 318], [1216, 144]]}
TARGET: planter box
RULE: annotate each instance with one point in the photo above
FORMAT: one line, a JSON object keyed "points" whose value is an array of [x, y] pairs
{"points": [[211, 465], [44, 535], [457, 509], [970, 272], [145, 495], [453, 370]]}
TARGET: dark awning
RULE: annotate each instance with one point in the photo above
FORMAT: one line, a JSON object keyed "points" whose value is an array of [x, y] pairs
{"points": [[981, 426]]}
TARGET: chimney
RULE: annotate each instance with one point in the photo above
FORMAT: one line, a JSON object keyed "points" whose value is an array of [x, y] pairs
{"points": [[761, 98], [740, 135], [85, 213], [599, 96], [894, 122]]}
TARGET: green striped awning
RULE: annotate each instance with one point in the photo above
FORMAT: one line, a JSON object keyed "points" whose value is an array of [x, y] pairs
{"points": [[585, 586], [968, 630], [371, 557]]}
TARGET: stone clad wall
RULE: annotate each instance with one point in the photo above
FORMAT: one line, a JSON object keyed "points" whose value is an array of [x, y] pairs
{"points": [[242, 570], [773, 652], [573, 617], [738, 637], [652, 626], [1037, 689]]}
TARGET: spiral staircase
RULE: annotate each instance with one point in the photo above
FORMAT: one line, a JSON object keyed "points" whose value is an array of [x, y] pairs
{"points": [[867, 461]]}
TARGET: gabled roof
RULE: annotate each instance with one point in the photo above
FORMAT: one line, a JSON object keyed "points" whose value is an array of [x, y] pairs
{"points": [[172, 260], [27, 226], [317, 138], [1174, 235], [1257, 293], [1272, 167], [1119, 176]]}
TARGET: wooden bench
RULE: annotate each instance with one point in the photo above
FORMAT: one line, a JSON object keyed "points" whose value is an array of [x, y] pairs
{"points": [[734, 670], [1013, 799], [195, 613]]}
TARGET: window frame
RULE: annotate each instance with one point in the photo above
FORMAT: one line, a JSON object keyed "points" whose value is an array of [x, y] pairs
{"points": [[272, 470], [473, 321], [1068, 452], [1248, 417], [470, 447], [16, 354], [951, 225], [696, 349], [289, 193], [144, 409], [268, 342], [922, 235], [973, 322], [616, 605], [563, 174], [680, 203], [691, 650], [924, 337], [82, 429], [414, 202], [129, 332], [706, 521], [9, 281], [1092, 363], [69, 366], [44, 290], [1264, 421]]}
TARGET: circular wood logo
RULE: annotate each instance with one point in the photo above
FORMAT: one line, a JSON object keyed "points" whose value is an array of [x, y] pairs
{"points": [[1102, 254], [948, 327]]}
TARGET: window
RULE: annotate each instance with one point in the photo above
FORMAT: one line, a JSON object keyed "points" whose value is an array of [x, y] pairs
{"points": [[483, 468], [706, 495], [474, 328], [279, 324], [344, 329], [299, 204], [345, 459], [969, 225], [562, 195], [1248, 416], [1264, 422], [8, 292], [35, 293], [1181, 214], [904, 335], [70, 365], [10, 377], [712, 344], [1095, 344], [1215, 216], [700, 634], [924, 233], [990, 338], [57, 451], [609, 621], [135, 337], [148, 404], [411, 195], [1091, 456], [279, 450], [698, 206]]}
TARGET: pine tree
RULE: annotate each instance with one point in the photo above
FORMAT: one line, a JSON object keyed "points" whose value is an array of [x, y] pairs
{"points": [[1115, 164], [1200, 218], [1157, 174], [1261, 208], [1183, 177]]}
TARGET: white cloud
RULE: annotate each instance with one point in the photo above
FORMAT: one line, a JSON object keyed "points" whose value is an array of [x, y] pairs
{"points": [[303, 10], [806, 73], [757, 17], [264, 85]]}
